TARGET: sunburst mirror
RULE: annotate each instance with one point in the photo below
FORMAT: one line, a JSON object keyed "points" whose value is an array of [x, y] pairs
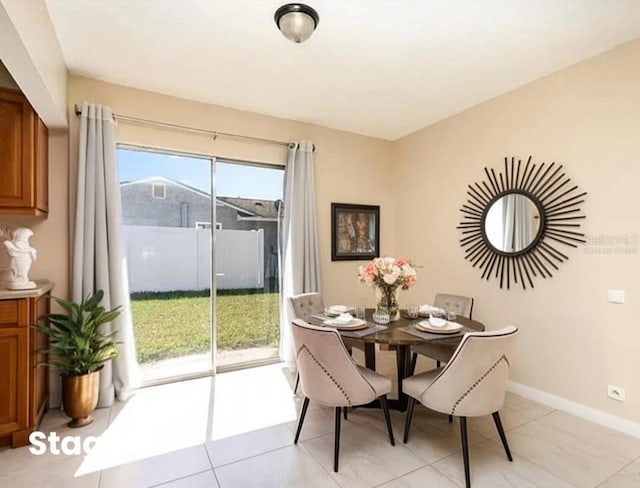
{"points": [[514, 221]]}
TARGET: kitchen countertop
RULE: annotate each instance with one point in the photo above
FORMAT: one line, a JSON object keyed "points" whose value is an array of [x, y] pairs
{"points": [[42, 287]]}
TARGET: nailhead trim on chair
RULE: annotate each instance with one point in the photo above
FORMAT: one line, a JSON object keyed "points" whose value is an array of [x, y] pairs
{"points": [[455, 405], [327, 373]]}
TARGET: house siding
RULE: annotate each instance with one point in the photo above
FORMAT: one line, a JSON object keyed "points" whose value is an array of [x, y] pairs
{"points": [[183, 207], [180, 207]]}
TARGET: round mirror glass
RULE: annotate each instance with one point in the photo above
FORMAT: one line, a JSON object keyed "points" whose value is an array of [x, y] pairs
{"points": [[512, 223]]}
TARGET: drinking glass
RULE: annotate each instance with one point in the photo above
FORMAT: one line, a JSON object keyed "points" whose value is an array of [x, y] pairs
{"points": [[359, 311], [438, 314], [450, 315], [381, 318], [412, 311]]}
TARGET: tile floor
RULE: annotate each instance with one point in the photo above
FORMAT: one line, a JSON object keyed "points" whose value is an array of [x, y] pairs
{"points": [[237, 431]]}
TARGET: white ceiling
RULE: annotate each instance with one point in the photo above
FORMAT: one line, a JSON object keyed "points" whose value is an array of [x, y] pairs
{"points": [[383, 68]]}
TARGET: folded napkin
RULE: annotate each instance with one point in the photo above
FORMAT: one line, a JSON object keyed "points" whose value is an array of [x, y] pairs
{"points": [[343, 318], [436, 322], [429, 308]]}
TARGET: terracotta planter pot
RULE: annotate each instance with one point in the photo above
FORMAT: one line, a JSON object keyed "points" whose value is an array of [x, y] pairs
{"points": [[80, 397]]}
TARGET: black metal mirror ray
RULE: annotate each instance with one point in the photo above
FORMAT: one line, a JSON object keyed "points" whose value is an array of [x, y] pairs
{"points": [[514, 221]]}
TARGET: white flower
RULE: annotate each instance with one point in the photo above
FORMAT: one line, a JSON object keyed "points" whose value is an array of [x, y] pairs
{"points": [[390, 278], [407, 270], [388, 272]]}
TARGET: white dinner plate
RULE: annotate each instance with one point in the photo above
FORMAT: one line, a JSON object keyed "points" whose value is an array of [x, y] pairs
{"points": [[448, 328], [353, 324]]}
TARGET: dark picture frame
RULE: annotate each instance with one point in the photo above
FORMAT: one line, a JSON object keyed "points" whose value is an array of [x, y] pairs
{"points": [[355, 232]]}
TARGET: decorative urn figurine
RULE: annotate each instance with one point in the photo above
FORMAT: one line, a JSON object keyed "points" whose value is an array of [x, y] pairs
{"points": [[22, 256]]}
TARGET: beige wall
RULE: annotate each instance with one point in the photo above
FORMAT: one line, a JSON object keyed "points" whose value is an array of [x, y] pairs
{"points": [[349, 168], [587, 117]]}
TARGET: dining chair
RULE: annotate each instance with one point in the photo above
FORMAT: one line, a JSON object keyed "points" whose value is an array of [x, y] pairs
{"points": [[472, 384], [330, 377], [303, 306], [442, 350], [458, 304]]}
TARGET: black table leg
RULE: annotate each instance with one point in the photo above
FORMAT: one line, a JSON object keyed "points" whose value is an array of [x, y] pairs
{"points": [[370, 356], [403, 364]]}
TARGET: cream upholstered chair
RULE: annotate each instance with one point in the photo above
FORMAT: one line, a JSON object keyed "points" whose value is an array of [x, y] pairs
{"points": [[455, 303], [303, 307], [472, 384], [330, 377], [442, 350], [306, 304]]}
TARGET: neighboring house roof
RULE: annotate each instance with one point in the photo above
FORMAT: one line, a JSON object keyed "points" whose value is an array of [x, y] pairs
{"points": [[254, 207], [249, 208], [165, 180]]}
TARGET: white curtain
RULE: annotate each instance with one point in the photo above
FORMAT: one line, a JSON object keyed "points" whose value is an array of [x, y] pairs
{"points": [[300, 262], [98, 257], [508, 222], [518, 222], [523, 220]]}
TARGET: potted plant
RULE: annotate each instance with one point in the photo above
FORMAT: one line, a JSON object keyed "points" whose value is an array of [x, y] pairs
{"points": [[78, 350]]}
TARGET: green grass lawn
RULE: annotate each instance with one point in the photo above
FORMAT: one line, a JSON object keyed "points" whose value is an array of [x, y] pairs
{"points": [[170, 325]]}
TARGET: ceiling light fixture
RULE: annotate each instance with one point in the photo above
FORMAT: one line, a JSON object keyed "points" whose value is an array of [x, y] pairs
{"points": [[296, 21]]}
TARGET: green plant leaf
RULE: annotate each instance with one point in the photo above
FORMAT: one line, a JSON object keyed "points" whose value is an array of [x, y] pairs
{"points": [[76, 344]]}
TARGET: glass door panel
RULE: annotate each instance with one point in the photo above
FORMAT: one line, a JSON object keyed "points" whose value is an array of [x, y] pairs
{"points": [[166, 208], [248, 199]]}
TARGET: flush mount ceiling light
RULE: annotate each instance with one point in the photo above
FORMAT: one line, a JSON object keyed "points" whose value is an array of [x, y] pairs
{"points": [[296, 21]]}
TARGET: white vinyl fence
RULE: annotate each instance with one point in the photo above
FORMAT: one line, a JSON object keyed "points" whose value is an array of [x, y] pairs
{"points": [[173, 258]]}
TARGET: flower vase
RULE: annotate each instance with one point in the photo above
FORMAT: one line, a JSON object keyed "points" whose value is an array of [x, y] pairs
{"points": [[387, 301]]}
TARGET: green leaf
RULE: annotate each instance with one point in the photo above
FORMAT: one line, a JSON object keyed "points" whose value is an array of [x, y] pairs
{"points": [[92, 302], [76, 344]]}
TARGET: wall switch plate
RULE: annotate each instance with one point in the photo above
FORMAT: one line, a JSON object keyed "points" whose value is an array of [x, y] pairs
{"points": [[617, 393], [615, 296]]}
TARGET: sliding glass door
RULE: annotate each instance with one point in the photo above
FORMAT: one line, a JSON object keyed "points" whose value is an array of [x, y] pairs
{"points": [[180, 245], [166, 210], [248, 202]]}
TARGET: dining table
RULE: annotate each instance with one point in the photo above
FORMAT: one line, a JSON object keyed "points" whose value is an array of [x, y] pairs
{"points": [[400, 335]]}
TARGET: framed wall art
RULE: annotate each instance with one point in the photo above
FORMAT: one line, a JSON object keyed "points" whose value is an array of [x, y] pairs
{"points": [[355, 232]]}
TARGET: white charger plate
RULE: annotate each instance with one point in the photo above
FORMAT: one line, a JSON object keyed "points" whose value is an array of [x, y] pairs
{"points": [[448, 328], [353, 324]]}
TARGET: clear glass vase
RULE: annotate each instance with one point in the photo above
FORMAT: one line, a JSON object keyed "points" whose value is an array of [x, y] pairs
{"points": [[387, 301]]}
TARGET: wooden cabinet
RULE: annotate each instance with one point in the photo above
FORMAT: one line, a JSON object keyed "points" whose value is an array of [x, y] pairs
{"points": [[24, 159], [24, 386]]}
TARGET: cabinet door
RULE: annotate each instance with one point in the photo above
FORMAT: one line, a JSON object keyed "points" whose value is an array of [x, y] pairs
{"points": [[17, 144], [14, 379], [39, 396], [42, 166]]}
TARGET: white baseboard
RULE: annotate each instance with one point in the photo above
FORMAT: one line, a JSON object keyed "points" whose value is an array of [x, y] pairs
{"points": [[597, 416]]}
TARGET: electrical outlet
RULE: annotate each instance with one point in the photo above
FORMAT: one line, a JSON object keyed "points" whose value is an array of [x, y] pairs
{"points": [[615, 296], [617, 393]]}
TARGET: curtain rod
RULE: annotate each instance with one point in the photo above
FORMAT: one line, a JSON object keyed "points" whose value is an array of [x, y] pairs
{"points": [[196, 130]]}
